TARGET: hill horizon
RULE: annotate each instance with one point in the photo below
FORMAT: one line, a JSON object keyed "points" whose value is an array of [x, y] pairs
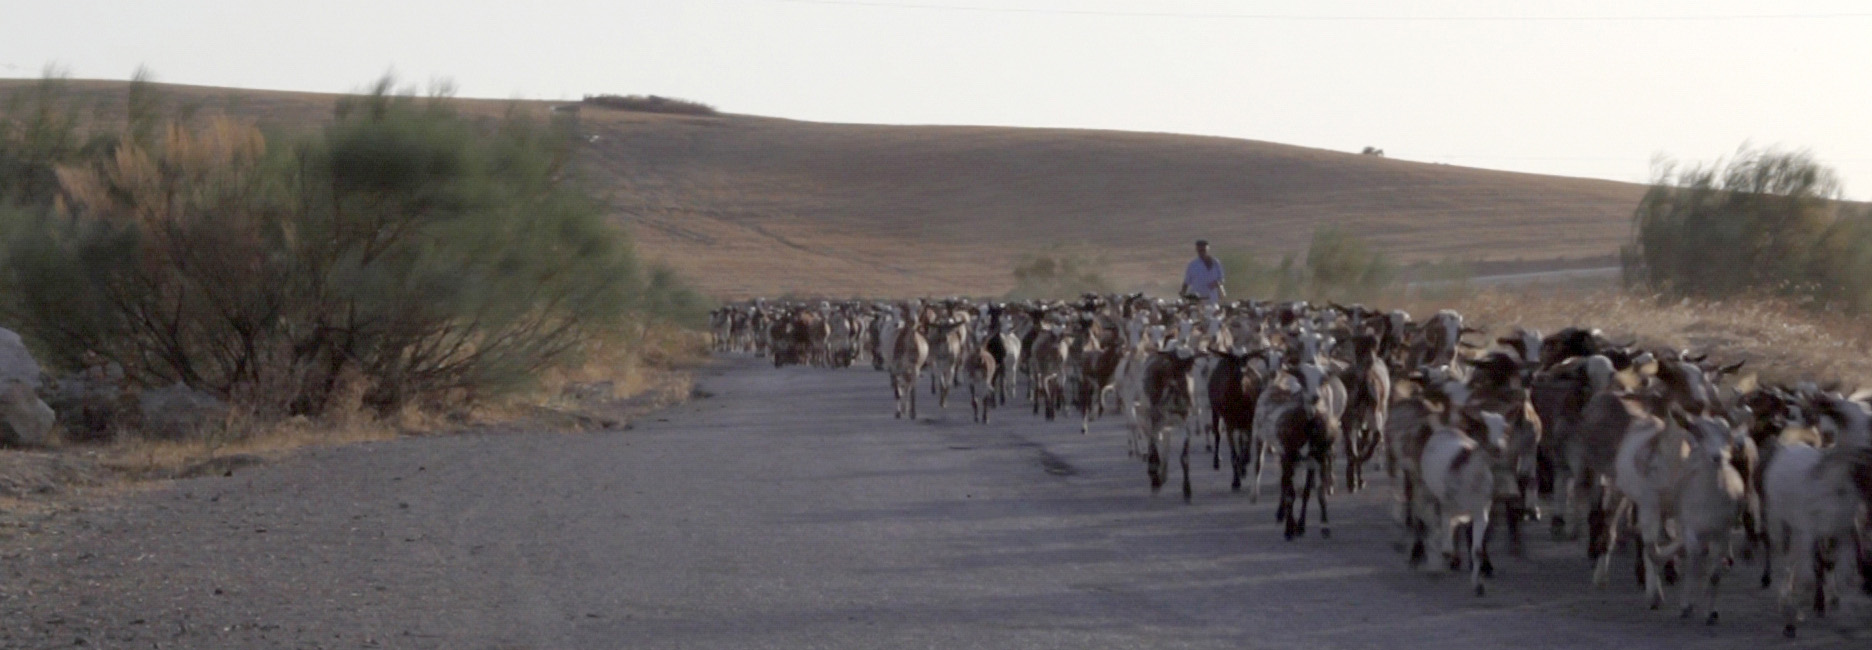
{"points": [[748, 205]]}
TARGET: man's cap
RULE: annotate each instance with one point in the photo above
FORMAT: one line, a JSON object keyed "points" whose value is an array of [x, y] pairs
{"points": [[1202, 242]]}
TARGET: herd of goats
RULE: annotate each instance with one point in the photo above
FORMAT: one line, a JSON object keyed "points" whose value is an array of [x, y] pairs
{"points": [[1610, 437]]}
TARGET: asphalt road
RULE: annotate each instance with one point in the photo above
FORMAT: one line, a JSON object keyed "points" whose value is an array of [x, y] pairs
{"points": [[789, 510]]}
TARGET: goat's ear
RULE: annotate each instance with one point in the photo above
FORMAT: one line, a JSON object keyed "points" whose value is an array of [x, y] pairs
{"points": [[1731, 368], [1287, 382], [1678, 416], [1747, 383], [1629, 379]]}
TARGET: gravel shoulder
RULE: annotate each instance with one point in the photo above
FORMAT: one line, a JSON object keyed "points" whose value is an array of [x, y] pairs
{"points": [[787, 509]]}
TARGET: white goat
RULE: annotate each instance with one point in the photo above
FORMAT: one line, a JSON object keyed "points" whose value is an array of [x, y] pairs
{"points": [[1458, 486]]}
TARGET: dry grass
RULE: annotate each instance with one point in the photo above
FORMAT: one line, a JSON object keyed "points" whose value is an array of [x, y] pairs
{"points": [[1780, 342], [642, 368], [139, 458]]}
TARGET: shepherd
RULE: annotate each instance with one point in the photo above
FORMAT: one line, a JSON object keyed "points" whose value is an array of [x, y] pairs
{"points": [[1202, 279]]}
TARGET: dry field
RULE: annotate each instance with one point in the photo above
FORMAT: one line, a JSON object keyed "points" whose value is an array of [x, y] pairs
{"points": [[747, 205], [1780, 342]]}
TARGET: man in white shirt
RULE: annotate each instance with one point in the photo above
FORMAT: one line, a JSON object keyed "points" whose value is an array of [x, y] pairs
{"points": [[1203, 277]]}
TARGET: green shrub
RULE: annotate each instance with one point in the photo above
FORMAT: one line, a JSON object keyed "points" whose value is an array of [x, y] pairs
{"points": [[1343, 266], [439, 259], [1765, 221]]}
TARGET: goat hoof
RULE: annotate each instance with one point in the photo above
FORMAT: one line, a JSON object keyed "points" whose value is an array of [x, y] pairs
{"points": [[1479, 590], [1711, 620], [1686, 612], [1788, 631], [1326, 533], [1455, 563], [1767, 582], [1488, 570]]}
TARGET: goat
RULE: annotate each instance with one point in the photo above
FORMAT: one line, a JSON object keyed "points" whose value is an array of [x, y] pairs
{"points": [[1050, 349], [947, 337], [1458, 487], [1497, 384], [1168, 392], [1234, 386], [1098, 365], [1560, 396], [1368, 403], [1675, 473], [981, 368], [909, 350], [1292, 420], [1811, 499]]}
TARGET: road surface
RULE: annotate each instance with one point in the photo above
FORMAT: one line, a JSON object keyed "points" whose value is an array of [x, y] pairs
{"points": [[789, 510]]}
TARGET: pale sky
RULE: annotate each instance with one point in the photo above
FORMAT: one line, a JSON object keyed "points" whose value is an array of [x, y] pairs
{"points": [[1584, 88]]}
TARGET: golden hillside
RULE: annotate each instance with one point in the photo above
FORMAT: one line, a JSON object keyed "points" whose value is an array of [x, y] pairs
{"points": [[750, 205]]}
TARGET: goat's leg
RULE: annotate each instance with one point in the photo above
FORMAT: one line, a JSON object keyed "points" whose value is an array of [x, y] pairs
{"points": [[974, 403], [1033, 394], [1257, 449], [1479, 555], [1650, 534], [1418, 532], [1821, 561], [1153, 466], [1306, 494], [1186, 476], [1767, 576], [1284, 512], [1694, 566], [1478, 549], [1325, 523], [1864, 562], [1215, 437], [1604, 558], [1799, 547], [1350, 434], [1235, 460]]}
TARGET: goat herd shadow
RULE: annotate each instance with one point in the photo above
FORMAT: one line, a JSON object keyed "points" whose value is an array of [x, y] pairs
{"points": [[1078, 515]]}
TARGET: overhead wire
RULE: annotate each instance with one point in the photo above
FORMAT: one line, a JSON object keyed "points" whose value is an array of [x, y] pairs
{"points": [[922, 6]]}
